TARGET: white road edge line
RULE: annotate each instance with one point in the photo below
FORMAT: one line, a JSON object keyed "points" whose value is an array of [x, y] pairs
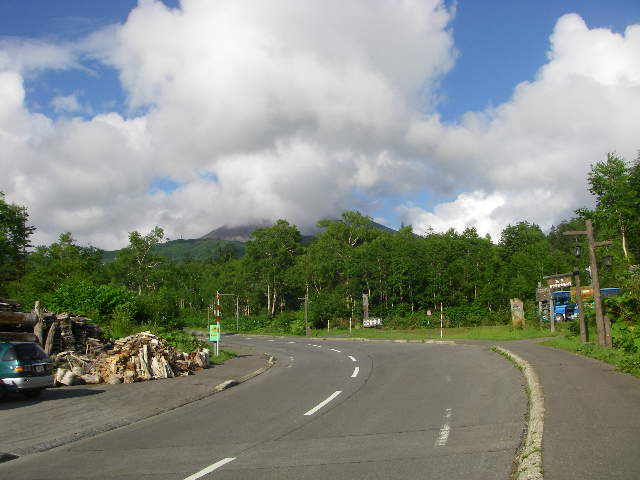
{"points": [[210, 468], [443, 436], [352, 359], [324, 402], [334, 350], [355, 372]]}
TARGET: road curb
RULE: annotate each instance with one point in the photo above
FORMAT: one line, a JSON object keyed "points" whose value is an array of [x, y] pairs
{"points": [[529, 457], [232, 382]]}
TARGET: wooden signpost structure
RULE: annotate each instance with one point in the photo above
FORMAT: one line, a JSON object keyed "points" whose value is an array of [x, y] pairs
{"points": [[604, 339]]}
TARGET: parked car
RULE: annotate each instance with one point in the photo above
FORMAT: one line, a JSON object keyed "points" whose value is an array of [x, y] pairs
{"points": [[24, 368]]}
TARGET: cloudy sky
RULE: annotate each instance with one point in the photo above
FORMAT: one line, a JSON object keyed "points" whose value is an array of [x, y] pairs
{"points": [[122, 115]]}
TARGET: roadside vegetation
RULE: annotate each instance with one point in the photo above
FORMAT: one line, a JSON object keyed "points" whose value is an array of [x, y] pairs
{"points": [[408, 277], [623, 310]]}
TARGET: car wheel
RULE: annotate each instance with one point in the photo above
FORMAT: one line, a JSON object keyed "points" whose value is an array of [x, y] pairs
{"points": [[559, 317], [33, 393]]}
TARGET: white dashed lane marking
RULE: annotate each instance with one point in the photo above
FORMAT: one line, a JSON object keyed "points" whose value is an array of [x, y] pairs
{"points": [[210, 468], [355, 372], [443, 436], [334, 350], [352, 359], [324, 402]]}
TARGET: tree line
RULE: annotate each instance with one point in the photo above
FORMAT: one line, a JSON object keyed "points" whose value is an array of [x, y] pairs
{"points": [[404, 274]]}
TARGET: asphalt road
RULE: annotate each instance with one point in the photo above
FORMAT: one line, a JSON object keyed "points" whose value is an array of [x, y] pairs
{"points": [[328, 409]]}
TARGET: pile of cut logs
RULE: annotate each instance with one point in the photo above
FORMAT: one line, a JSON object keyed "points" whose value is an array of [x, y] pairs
{"points": [[135, 358], [77, 344]]}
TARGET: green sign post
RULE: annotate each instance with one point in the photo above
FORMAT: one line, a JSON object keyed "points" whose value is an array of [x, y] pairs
{"points": [[214, 335]]}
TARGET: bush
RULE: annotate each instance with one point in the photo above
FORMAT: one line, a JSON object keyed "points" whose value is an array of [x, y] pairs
{"points": [[327, 306], [98, 302], [474, 316], [159, 309], [410, 322]]}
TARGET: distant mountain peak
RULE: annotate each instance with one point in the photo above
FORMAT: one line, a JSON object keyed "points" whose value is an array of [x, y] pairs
{"points": [[242, 233], [239, 233]]}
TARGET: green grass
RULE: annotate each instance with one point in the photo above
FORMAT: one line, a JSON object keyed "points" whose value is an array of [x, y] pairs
{"points": [[625, 362], [496, 333], [223, 356]]}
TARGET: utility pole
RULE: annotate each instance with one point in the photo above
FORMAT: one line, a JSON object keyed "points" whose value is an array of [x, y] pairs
{"points": [[595, 281], [306, 312], [237, 313]]}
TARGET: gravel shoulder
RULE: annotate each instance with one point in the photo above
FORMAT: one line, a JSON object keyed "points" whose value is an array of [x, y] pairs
{"points": [[65, 414]]}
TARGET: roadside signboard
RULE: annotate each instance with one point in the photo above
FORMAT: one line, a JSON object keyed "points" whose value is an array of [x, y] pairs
{"points": [[214, 335], [372, 322], [214, 332], [587, 294], [560, 282]]}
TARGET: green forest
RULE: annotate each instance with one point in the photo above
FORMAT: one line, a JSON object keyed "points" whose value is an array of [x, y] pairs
{"points": [[404, 274]]}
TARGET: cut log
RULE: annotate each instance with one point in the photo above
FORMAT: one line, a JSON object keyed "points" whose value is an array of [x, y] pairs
{"points": [[68, 378], [90, 378], [48, 345], [18, 320], [114, 378]]}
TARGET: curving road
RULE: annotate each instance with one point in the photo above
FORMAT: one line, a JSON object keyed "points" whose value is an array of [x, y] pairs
{"points": [[328, 409]]}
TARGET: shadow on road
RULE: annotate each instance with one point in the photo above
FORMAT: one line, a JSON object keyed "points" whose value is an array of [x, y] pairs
{"points": [[16, 400]]}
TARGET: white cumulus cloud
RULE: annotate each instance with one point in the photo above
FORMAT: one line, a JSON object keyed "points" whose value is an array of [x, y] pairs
{"points": [[260, 110]]}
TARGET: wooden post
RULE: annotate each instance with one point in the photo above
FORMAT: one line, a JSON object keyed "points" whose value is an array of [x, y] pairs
{"points": [[552, 312], [583, 326], [607, 331], [595, 282]]}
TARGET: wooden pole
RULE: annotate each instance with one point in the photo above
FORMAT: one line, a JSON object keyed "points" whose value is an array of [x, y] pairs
{"points": [[595, 282], [306, 312], [237, 313], [607, 331], [552, 311], [583, 326]]}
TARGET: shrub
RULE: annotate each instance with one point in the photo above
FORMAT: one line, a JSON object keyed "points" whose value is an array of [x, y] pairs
{"points": [[98, 302], [327, 306], [160, 309], [121, 323]]}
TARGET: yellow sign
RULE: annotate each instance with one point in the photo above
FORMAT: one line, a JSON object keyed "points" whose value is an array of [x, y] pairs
{"points": [[587, 294]]}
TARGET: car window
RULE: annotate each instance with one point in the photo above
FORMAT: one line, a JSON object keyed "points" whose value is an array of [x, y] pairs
{"points": [[9, 355], [28, 352]]}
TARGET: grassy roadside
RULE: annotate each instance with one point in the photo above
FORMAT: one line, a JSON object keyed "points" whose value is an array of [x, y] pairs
{"points": [[223, 356], [496, 333], [624, 362]]}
